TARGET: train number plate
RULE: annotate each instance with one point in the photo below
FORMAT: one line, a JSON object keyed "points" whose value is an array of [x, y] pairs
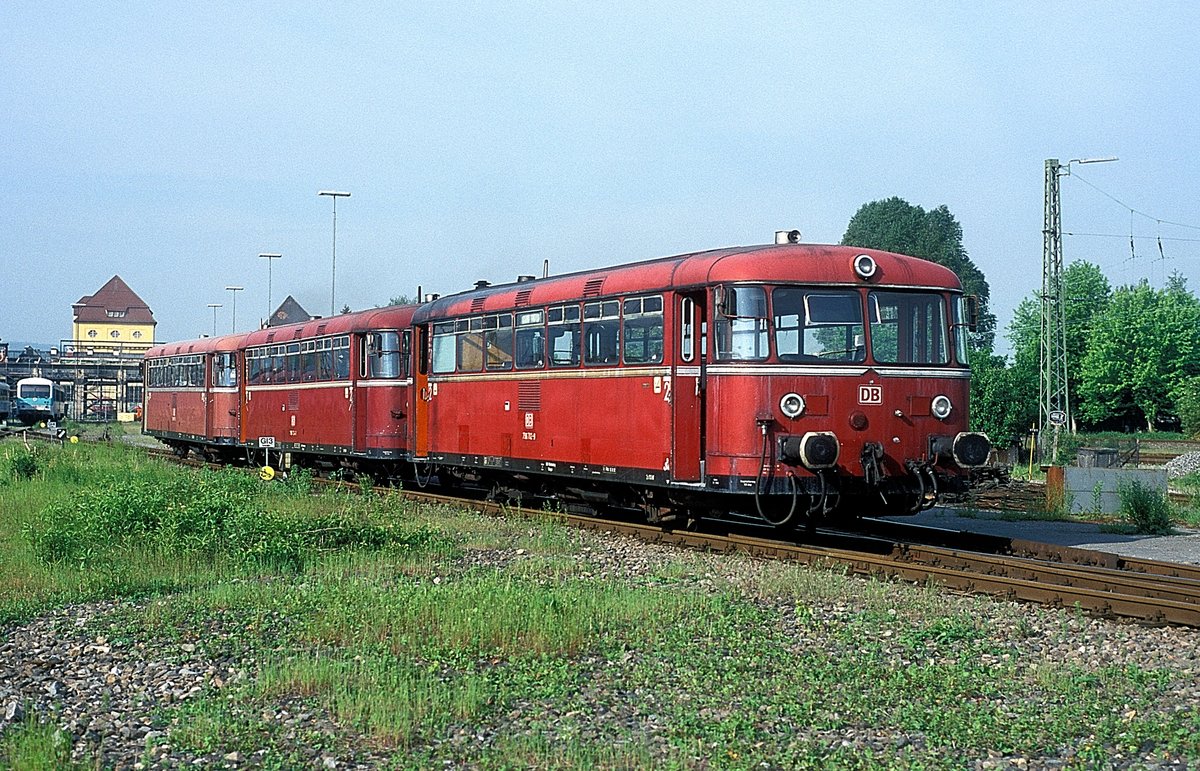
{"points": [[870, 394]]}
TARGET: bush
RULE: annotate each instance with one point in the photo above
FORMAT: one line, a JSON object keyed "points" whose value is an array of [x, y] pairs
{"points": [[23, 462], [1146, 509]]}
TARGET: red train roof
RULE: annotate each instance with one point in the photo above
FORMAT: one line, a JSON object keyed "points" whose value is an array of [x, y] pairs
{"points": [[785, 264], [202, 345], [390, 317]]}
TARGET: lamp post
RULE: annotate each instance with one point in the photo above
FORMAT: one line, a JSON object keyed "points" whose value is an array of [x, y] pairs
{"points": [[334, 194], [214, 306], [270, 258], [1053, 394], [233, 290]]}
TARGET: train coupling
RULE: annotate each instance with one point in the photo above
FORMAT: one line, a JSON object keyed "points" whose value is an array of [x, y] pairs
{"points": [[813, 450], [969, 449]]}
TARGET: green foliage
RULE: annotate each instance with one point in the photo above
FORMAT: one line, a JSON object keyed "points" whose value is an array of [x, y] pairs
{"points": [[1187, 405], [1143, 347], [22, 463], [1003, 399], [210, 515], [895, 225], [34, 746], [1147, 510]]}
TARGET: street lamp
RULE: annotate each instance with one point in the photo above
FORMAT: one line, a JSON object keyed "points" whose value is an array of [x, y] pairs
{"points": [[270, 258], [1054, 408], [233, 290], [334, 194], [214, 306]]}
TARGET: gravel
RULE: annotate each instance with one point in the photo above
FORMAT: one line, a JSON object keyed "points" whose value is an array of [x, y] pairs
{"points": [[1183, 465], [108, 695]]}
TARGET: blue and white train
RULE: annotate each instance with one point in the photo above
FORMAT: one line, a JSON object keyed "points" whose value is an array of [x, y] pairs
{"points": [[38, 399]]}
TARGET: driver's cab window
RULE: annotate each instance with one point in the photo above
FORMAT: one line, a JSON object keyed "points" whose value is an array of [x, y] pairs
{"points": [[818, 326]]}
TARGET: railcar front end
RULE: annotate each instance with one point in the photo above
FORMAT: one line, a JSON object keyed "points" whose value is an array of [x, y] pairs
{"points": [[839, 398]]}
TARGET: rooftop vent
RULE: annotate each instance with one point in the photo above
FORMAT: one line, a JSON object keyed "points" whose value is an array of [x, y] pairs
{"points": [[482, 284], [787, 236], [524, 279]]}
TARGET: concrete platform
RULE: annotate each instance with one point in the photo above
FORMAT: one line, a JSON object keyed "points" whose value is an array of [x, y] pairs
{"points": [[1183, 546]]}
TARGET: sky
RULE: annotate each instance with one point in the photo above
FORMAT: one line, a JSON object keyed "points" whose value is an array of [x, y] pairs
{"points": [[171, 143]]}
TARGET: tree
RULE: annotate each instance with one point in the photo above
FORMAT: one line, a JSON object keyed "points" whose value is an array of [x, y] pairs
{"points": [[1143, 349], [1003, 398], [1086, 292], [895, 225]]}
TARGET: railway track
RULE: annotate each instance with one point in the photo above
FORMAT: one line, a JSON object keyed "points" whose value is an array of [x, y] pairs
{"points": [[1100, 583]]}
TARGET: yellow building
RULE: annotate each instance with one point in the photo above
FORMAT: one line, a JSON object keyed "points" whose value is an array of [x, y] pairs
{"points": [[114, 319]]}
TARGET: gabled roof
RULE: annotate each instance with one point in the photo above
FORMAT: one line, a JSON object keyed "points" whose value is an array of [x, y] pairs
{"points": [[115, 296], [288, 312]]}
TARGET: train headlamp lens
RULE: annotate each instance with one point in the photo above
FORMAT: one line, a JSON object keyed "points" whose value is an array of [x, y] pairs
{"points": [[792, 405], [864, 266], [941, 407]]}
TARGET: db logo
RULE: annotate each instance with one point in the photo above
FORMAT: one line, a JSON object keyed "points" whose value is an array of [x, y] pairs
{"points": [[870, 394]]}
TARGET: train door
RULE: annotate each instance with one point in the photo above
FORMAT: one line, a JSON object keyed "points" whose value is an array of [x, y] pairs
{"points": [[687, 451], [421, 392]]}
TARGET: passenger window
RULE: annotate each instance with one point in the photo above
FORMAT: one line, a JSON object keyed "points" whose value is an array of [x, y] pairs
{"points": [[642, 330], [444, 341], [563, 335], [470, 345], [601, 331], [530, 340], [498, 341]]}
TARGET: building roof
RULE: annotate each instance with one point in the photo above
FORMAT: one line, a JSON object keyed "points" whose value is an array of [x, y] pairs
{"points": [[114, 303], [288, 312]]}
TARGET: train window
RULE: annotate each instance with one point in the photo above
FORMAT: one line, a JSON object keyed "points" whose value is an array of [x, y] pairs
{"points": [[962, 321], [292, 362], [382, 355], [687, 329], [642, 330], [470, 345], [498, 341], [530, 347], [224, 375], [818, 325], [563, 335], [741, 323], [443, 347], [341, 357], [908, 328], [601, 330]]}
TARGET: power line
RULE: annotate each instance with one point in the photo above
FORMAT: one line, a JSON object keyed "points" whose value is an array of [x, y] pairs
{"points": [[1126, 235], [1132, 210]]}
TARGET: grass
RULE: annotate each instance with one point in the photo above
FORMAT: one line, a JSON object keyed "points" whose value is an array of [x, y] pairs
{"points": [[423, 636]]}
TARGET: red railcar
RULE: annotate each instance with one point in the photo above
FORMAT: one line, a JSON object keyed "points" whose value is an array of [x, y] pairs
{"points": [[191, 395], [327, 391], [788, 381], [331, 390]]}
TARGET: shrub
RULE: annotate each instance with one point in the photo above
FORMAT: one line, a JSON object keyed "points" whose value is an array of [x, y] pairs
{"points": [[24, 463], [1146, 509]]}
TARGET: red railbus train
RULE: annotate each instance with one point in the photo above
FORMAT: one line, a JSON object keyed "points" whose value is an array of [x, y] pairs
{"points": [[788, 382]]}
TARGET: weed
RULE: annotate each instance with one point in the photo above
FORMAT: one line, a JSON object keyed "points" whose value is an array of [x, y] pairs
{"points": [[1146, 509]]}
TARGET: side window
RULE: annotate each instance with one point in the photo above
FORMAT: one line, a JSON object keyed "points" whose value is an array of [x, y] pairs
{"points": [[530, 346], [741, 323], [642, 330], [498, 341], [381, 355], [292, 359], [444, 340], [470, 344], [341, 358], [563, 335], [601, 331]]}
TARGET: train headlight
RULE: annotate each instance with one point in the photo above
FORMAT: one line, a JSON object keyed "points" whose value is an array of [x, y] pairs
{"points": [[792, 405], [865, 266], [941, 407]]}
